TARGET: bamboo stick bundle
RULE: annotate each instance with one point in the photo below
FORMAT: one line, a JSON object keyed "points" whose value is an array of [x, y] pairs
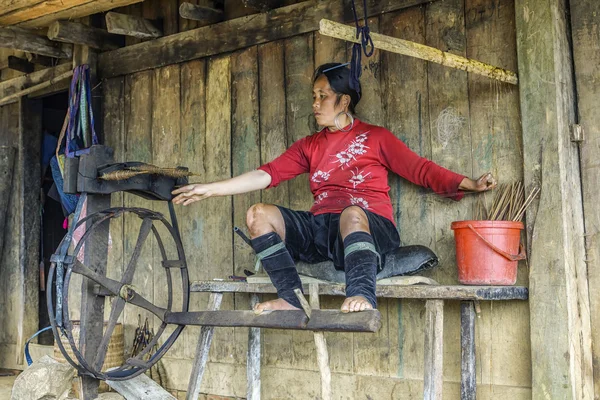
{"points": [[509, 202]]}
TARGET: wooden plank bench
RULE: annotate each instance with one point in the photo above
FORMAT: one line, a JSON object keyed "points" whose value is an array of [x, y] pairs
{"points": [[433, 295]]}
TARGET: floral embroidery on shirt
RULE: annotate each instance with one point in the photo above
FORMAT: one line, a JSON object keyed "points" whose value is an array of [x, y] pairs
{"points": [[321, 197], [356, 148], [358, 177], [359, 201], [321, 176]]}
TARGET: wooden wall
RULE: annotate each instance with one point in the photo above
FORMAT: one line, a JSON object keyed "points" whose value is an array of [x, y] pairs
{"points": [[225, 115]]}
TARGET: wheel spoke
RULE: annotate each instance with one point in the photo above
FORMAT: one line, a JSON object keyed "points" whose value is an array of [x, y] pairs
{"points": [[115, 312], [147, 225], [111, 285]]}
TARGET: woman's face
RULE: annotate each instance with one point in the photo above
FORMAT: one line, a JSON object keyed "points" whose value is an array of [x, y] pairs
{"points": [[324, 99]]}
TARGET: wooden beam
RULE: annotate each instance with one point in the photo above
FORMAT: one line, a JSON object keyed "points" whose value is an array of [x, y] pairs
{"points": [[12, 5], [24, 40], [586, 55], [321, 320], [38, 10], [77, 33], [249, 31], [90, 7], [205, 15], [559, 302], [457, 292], [418, 50], [16, 96], [41, 60], [131, 25], [14, 85], [20, 64]]}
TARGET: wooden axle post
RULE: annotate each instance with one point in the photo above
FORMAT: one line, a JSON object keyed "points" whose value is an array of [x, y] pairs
{"points": [[321, 345]]}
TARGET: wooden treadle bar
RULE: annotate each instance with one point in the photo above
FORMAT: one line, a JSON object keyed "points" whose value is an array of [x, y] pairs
{"points": [[320, 320], [450, 292]]}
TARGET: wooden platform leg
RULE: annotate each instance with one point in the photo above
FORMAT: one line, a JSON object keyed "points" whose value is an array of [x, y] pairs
{"points": [[202, 349], [253, 359], [434, 350], [468, 384], [321, 346]]}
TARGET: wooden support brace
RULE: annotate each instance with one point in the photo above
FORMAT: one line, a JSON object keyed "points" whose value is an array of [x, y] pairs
{"points": [[206, 15], [21, 39], [321, 346], [417, 50], [77, 33], [202, 349], [20, 64], [140, 387], [14, 97], [130, 25], [434, 350], [253, 359], [468, 389]]}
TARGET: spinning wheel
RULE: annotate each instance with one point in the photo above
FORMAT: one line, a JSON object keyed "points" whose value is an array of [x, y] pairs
{"points": [[66, 264]]}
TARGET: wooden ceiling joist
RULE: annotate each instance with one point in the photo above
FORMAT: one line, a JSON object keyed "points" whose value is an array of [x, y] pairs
{"points": [[64, 10], [206, 15], [20, 64], [130, 25], [24, 40], [77, 33], [37, 10]]}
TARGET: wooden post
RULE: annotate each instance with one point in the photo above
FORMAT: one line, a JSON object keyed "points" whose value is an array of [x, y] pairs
{"points": [[28, 171], [7, 163], [253, 359], [434, 350], [202, 349], [96, 251], [413, 49], [559, 299], [468, 377], [586, 54], [321, 346]]}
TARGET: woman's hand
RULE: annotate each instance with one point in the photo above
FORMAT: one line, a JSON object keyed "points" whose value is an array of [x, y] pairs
{"points": [[192, 193], [485, 182]]}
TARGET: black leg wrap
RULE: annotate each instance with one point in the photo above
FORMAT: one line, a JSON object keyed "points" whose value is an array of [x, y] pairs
{"points": [[360, 266], [280, 267]]}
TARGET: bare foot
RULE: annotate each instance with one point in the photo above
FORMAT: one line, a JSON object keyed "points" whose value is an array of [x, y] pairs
{"points": [[356, 303], [277, 304]]}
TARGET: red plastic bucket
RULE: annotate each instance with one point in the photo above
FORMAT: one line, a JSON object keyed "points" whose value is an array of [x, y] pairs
{"points": [[487, 252]]}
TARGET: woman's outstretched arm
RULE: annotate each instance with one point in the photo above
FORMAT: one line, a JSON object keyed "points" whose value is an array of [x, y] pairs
{"points": [[244, 183]]}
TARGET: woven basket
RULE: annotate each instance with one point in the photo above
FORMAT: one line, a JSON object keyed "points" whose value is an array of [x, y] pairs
{"points": [[114, 356]]}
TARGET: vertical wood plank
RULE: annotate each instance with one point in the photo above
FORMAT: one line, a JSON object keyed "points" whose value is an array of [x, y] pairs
{"points": [[253, 380], [405, 102], [193, 156], [166, 145], [218, 246], [299, 69], [370, 107], [328, 50], [497, 147], [138, 106], [113, 107], [273, 139], [277, 349], [245, 156], [321, 347], [434, 350], [468, 386], [586, 54], [558, 296]]}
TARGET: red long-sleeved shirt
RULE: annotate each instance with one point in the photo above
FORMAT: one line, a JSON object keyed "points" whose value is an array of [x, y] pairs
{"points": [[351, 168]]}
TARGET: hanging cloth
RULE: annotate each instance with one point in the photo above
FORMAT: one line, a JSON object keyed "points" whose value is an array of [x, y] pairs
{"points": [[365, 45]]}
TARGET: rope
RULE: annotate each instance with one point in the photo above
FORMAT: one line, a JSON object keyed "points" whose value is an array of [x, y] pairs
{"points": [[362, 33]]}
